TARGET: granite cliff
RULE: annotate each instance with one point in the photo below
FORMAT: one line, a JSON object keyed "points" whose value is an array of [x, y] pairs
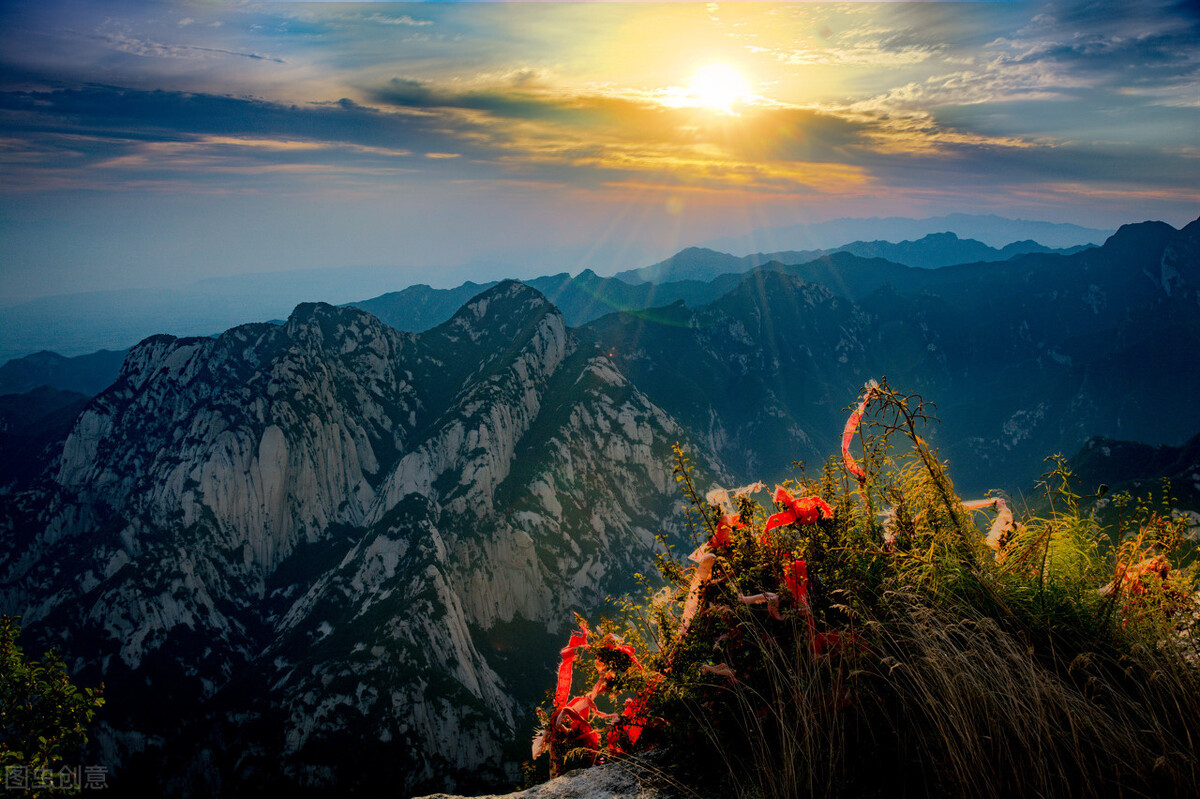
{"points": [[296, 554]]}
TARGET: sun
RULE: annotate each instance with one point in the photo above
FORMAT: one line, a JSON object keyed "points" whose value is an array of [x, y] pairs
{"points": [[719, 87]]}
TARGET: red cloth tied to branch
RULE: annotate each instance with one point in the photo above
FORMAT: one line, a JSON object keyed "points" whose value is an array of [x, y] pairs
{"points": [[806, 510], [634, 718], [872, 390], [723, 537], [795, 577], [562, 691], [570, 721], [1133, 578]]}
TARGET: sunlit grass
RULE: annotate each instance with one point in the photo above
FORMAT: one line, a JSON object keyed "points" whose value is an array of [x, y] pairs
{"points": [[904, 657]]}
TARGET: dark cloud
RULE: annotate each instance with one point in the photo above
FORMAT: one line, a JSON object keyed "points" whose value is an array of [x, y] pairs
{"points": [[109, 111], [503, 102], [1116, 43], [1122, 60]]}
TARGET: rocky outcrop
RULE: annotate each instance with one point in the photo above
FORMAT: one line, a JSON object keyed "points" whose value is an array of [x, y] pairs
{"points": [[297, 538], [611, 781]]}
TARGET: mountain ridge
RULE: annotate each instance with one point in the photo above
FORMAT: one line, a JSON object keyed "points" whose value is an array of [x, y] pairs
{"points": [[288, 534], [931, 251], [993, 230], [314, 542], [75, 324], [1005, 349]]}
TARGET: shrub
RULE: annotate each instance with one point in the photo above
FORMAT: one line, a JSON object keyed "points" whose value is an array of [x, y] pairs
{"points": [[43, 717], [866, 639]]}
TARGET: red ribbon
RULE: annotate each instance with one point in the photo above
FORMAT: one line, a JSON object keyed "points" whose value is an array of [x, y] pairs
{"points": [[806, 510], [571, 718], [562, 691], [723, 537], [872, 389], [795, 577]]}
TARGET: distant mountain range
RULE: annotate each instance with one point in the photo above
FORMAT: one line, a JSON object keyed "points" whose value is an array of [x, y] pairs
{"points": [[581, 298], [929, 252], [992, 230], [1026, 312], [331, 554], [86, 374], [76, 324]]}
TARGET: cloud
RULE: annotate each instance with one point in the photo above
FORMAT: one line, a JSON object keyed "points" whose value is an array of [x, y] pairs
{"points": [[946, 97], [125, 41], [520, 129], [402, 19], [114, 137]]}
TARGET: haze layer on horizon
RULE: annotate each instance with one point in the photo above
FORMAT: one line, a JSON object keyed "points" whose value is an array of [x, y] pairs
{"points": [[153, 143]]}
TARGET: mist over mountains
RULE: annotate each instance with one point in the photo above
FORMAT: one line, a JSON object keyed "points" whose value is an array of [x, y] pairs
{"points": [[75, 324], [1023, 358], [337, 554], [930, 252]]}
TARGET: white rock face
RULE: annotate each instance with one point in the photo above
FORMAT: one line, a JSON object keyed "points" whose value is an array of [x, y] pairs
{"points": [[316, 524]]}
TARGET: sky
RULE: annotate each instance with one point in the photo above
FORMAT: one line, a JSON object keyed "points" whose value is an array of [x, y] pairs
{"points": [[150, 143]]}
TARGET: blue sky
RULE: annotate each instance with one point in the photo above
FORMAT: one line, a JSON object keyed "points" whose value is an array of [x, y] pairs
{"points": [[154, 143]]}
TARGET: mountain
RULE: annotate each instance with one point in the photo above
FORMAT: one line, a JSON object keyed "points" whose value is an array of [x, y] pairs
{"points": [[419, 308], [115, 319], [1024, 357], [755, 375], [32, 428], [929, 252], [580, 298], [1162, 479], [1136, 467], [298, 556], [86, 374], [995, 231], [945, 249], [330, 555], [75, 324], [692, 263]]}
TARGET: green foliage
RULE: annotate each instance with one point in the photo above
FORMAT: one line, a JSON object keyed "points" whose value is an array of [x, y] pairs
{"points": [[906, 657], [43, 717]]}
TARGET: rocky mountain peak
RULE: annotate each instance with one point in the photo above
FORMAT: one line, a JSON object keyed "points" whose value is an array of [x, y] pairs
{"points": [[504, 308], [341, 329]]}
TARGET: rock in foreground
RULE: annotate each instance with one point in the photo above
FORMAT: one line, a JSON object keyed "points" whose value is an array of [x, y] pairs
{"points": [[610, 781]]}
